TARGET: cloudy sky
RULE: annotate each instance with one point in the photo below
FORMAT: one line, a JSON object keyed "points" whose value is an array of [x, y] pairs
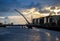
{"points": [[7, 6]]}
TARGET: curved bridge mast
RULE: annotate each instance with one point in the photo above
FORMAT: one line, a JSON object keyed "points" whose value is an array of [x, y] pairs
{"points": [[23, 16]]}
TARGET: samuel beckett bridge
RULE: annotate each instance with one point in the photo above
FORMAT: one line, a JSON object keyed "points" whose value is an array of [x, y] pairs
{"points": [[30, 25]]}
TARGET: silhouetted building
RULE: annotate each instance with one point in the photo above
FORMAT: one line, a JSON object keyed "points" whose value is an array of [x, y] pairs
{"points": [[58, 22], [11, 23], [1, 23], [51, 20], [38, 21]]}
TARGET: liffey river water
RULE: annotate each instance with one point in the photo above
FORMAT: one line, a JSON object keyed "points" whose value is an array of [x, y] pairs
{"points": [[23, 34]]}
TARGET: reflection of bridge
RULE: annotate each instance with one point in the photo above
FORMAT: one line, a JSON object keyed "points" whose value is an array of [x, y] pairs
{"points": [[34, 25]]}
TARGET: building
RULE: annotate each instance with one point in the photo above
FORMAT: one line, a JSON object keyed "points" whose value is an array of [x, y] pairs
{"points": [[52, 20]]}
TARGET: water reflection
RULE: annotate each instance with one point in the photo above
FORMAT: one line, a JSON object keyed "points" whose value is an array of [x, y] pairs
{"points": [[48, 36], [21, 34], [43, 35], [57, 39], [34, 38]]}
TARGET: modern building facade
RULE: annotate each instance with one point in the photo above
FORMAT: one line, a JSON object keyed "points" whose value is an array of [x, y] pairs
{"points": [[48, 19]]}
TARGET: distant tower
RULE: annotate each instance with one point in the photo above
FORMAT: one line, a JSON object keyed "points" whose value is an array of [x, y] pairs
{"points": [[5, 20]]}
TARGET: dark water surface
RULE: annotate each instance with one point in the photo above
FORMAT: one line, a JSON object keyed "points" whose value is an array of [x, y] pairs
{"points": [[23, 34]]}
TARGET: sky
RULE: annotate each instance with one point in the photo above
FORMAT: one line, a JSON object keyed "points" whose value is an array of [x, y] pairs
{"points": [[7, 6]]}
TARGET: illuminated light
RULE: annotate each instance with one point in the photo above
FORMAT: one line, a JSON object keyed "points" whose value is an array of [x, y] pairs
{"points": [[57, 38], [25, 27], [34, 37], [35, 29], [48, 34]]}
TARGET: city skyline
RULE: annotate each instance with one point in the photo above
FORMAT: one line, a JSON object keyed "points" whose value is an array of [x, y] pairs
{"points": [[26, 7]]}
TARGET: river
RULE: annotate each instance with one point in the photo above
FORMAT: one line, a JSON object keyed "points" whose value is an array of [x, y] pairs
{"points": [[22, 34]]}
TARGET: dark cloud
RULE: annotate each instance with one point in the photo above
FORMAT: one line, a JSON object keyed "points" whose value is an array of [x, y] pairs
{"points": [[44, 11], [8, 5], [11, 4]]}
